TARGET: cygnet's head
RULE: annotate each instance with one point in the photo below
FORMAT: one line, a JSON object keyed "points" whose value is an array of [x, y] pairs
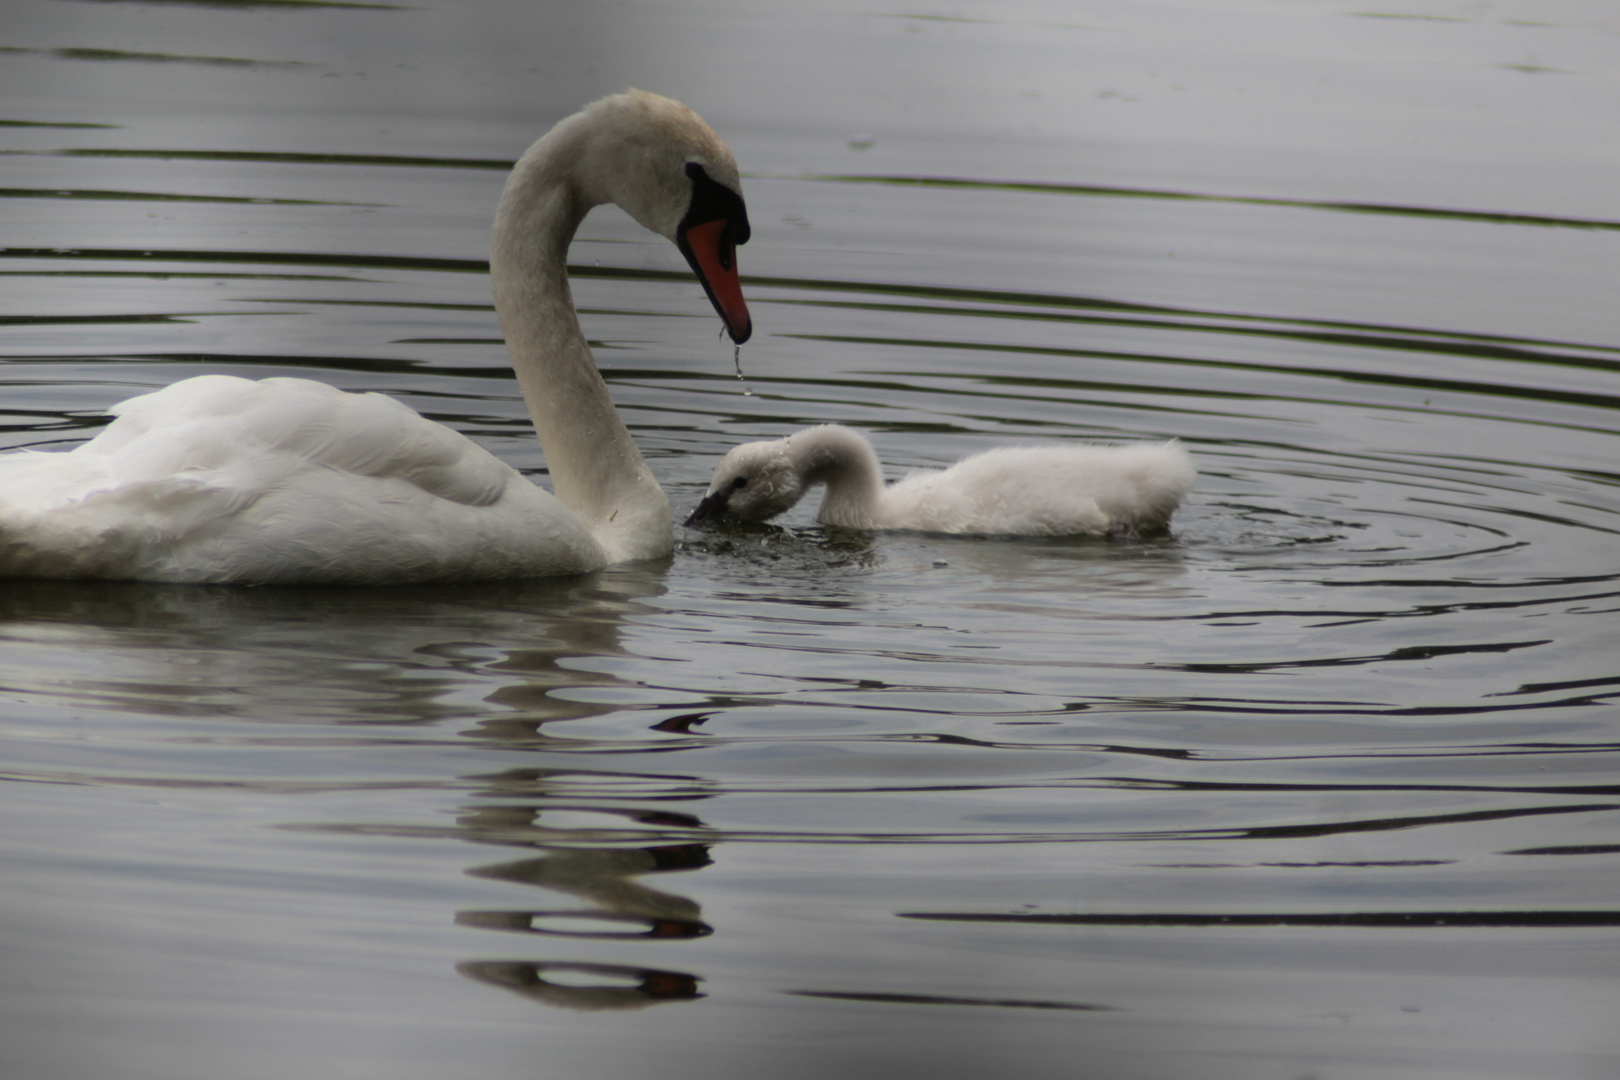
{"points": [[754, 482]]}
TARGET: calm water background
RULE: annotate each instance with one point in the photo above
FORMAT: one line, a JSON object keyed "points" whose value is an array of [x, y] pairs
{"points": [[1323, 786]]}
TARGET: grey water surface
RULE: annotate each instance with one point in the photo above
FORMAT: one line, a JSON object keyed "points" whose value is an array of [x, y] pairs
{"points": [[1323, 785]]}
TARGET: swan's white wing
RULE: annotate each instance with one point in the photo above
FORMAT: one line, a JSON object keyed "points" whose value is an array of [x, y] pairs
{"points": [[219, 421], [224, 479]]}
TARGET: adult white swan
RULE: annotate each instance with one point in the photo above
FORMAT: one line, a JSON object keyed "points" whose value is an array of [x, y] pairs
{"points": [[1012, 490], [220, 479]]}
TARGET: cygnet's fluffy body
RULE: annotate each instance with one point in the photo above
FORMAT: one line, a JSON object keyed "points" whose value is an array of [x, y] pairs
{"points": [[1070, 490]]}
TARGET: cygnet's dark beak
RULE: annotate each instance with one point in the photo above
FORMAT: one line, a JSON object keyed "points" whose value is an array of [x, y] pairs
{"points": [[709, 511]]}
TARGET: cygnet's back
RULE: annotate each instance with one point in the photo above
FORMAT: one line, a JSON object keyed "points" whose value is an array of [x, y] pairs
{"points": [[1025, 491]]}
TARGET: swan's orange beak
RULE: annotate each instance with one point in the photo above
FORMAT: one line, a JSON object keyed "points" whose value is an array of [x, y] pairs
{"points": [[712, 252]]}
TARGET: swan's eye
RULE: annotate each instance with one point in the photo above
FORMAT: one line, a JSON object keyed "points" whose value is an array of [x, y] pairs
{"points": [[740, 482]]}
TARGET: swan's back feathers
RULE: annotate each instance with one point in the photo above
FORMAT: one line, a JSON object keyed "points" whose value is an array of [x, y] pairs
{"points": [[213, 421], [218, 478]]}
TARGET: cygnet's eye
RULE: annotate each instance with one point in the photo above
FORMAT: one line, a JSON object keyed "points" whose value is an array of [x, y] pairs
{"points": [[740, 482]]}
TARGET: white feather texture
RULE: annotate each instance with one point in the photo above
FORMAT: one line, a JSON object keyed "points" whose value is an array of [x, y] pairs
{"points": [[1070, 490], [222, 479]]}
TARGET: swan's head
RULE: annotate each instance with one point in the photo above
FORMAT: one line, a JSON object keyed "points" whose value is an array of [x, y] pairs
{"points": [[658, 161], [754, 482]]}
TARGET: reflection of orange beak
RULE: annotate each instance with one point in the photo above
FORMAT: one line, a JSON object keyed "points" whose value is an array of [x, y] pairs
{"points": [[713, 255]]}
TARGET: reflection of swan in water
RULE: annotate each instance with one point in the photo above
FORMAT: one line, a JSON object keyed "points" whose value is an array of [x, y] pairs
{"points": [[587, 923], [409, 655], [1023, 491], [547, 982], [601, 875], [222, 479]]}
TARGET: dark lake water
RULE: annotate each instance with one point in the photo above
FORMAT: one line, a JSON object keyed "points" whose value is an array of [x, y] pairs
{"points": [[1324, 785]]}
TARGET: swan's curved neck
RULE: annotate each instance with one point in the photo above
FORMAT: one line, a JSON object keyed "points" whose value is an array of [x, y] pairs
{"points": [[596, 469], [847, 464]]}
